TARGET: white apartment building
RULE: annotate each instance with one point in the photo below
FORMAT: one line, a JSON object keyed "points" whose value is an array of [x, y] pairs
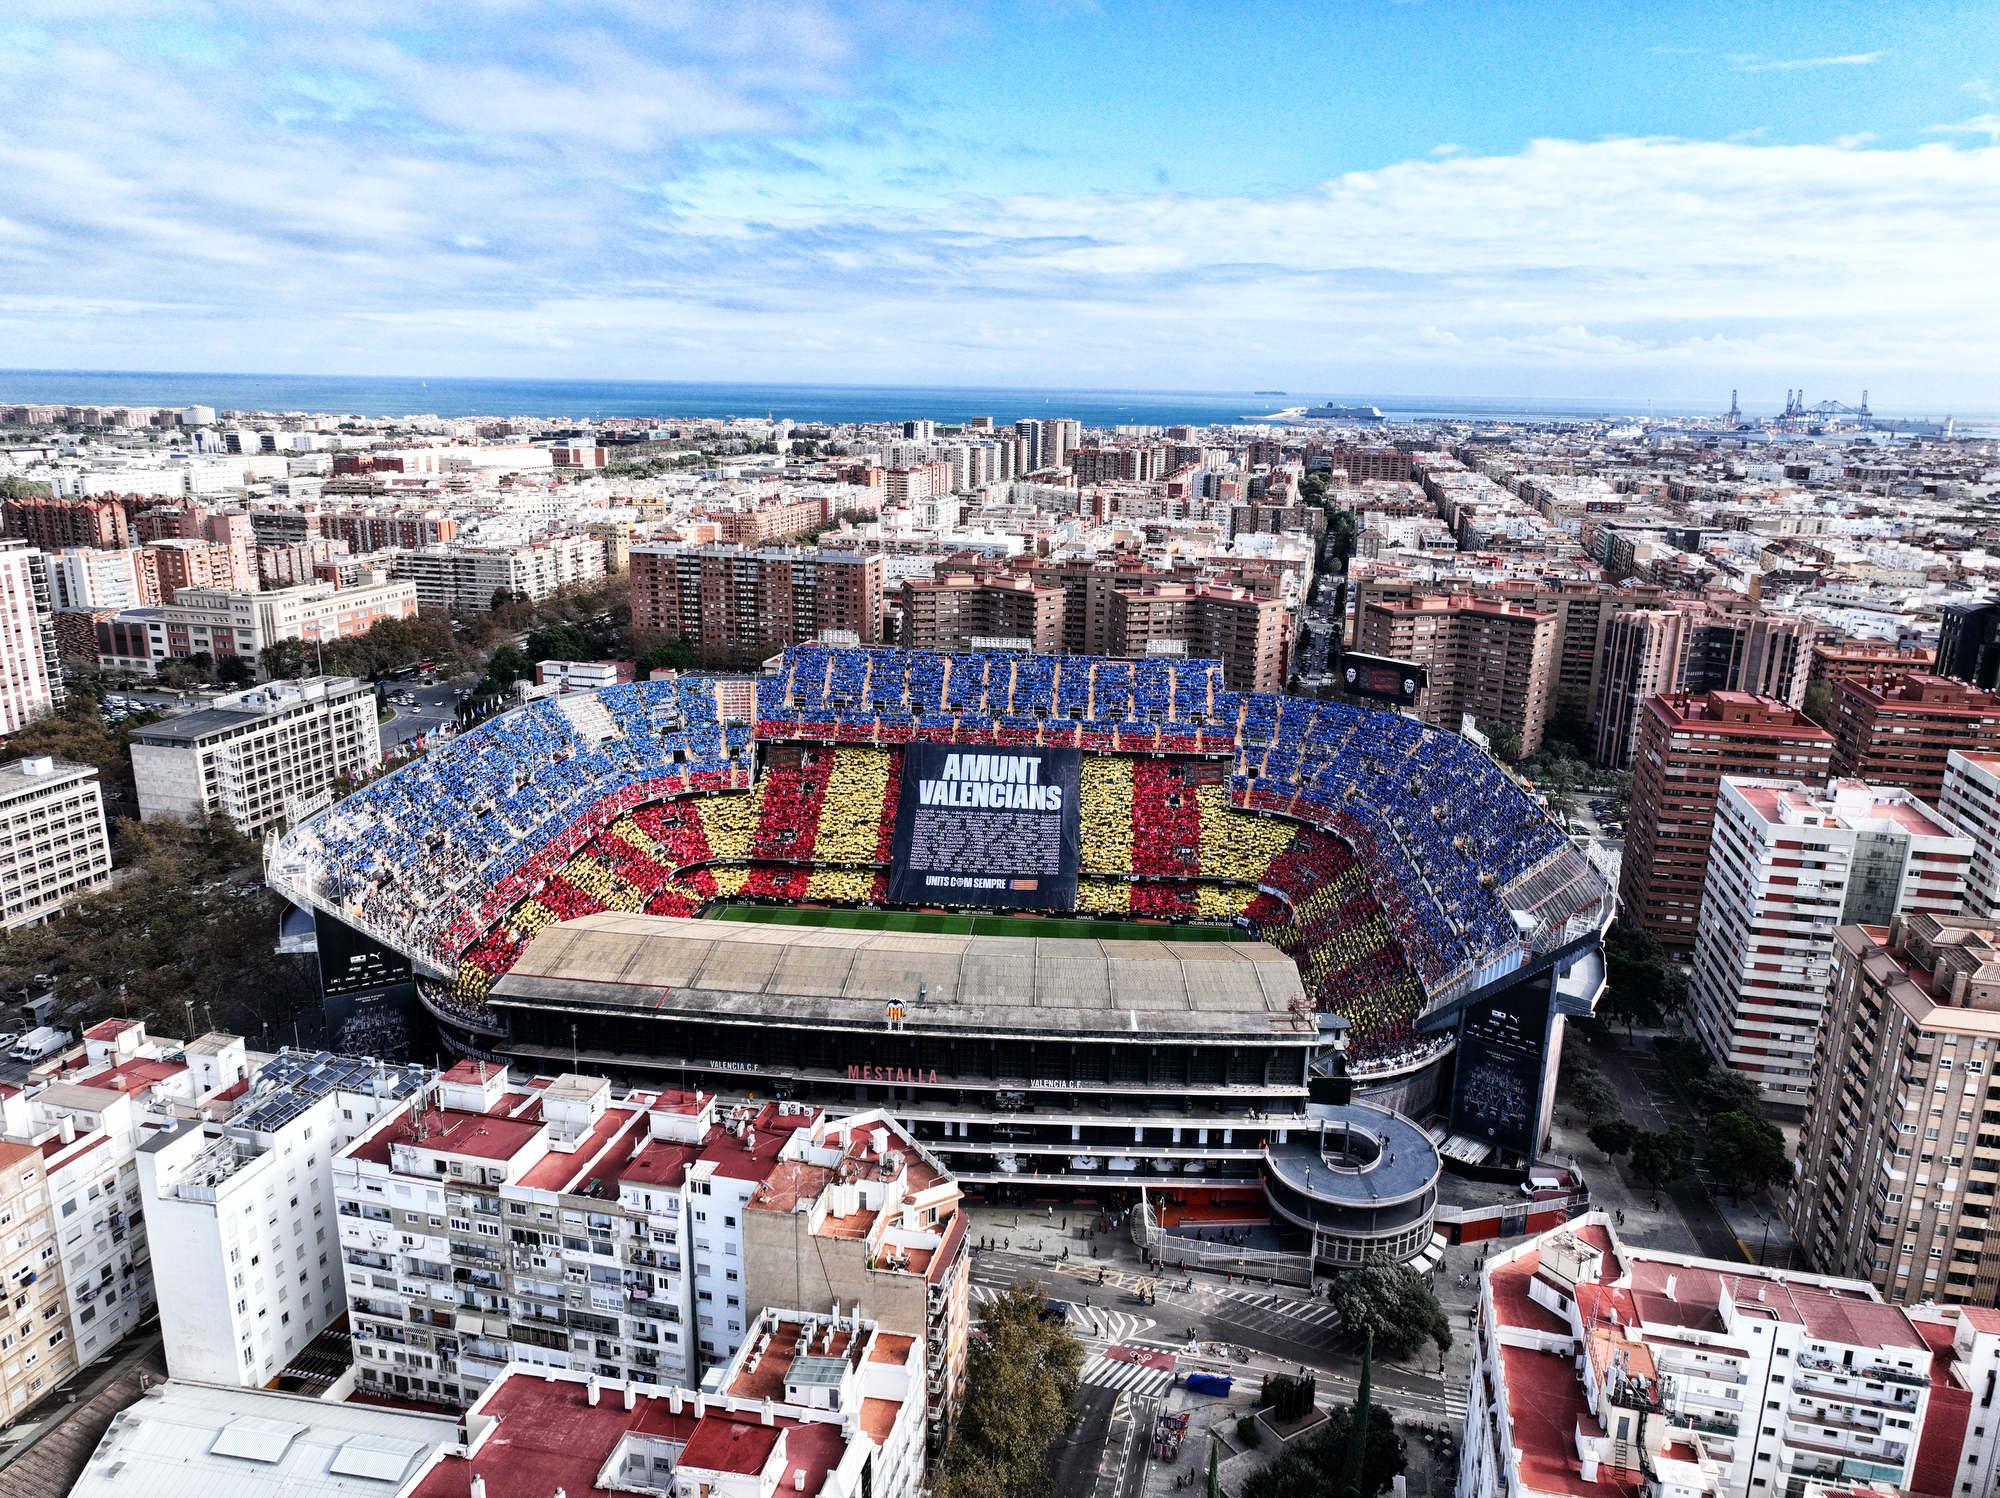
{"points": [[53, 844], [499, 1221], [36, 1350], [30, 680], [259, 756], [240, 1214], [228, 621], [1970, 800], [1601, 1367], [467, 577], [1787, 864], [89, 577]]}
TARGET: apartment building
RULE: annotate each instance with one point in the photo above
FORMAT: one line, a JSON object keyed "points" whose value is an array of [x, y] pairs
{"points": [[727, 598], [1643, 651], [1604, 1368], [1686, 745], [84, 577], [1899, 730], [468, 577], [1495, 660], [387, 530], [1248, 632], [53, 843], [1868, 658], [241, 1215], [503, 1220], [949, 610], [814, 1405], [182, 564], [1787, 863], [30, 670], [52, 524], [1970, 801], [1899, 1156], [228, 621], [260, 756], [917, 481], [36, 1350]]}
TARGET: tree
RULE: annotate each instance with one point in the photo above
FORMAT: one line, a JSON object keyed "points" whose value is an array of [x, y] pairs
{"points": [[19, 488], [566, 642], [1614, 1137], [1592, 1095], [1391, 1301], [285, 660], [187, 927], [235, 670], [1312, 1466], [673, 655], [1818, 705], [1505, 741], [1662, 1156], [1746, 1153], [1020, 1396]]}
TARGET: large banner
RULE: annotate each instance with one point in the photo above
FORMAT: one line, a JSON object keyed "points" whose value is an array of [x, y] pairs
{"points": [[987, 827], [1497, 1096]]}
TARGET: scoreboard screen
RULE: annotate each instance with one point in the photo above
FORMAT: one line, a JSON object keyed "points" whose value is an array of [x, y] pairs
{"points": [[1384, 679]]}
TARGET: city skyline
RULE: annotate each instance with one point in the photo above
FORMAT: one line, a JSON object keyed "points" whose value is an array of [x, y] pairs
{"points": [[1381, 197]]}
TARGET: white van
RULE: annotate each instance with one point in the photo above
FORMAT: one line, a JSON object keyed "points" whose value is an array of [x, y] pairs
{"points": [[39, 1043]]}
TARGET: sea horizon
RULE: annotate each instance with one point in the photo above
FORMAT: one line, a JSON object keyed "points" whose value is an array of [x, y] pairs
{"points": [[391, 396]]}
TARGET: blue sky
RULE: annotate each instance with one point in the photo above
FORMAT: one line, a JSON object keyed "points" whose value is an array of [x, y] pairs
{"points": [[1589, 200]]}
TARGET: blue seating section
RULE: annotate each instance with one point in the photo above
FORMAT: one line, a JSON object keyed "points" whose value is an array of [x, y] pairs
{"points": [[439, 850], [429, 850], [1436, 824]]}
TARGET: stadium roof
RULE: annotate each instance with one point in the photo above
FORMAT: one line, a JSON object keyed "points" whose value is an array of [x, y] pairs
{"points": [[818, 976]]}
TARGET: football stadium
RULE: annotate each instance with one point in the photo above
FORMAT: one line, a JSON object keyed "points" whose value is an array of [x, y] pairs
{"points": [[1090, 926]]}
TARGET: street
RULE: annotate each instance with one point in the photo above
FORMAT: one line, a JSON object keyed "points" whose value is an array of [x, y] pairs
{"points": [[1243, 1329], [435, 708]]}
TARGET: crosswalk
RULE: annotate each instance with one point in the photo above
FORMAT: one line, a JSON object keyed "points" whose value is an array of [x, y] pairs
{"points": [[1293, 1308], [1112, 1326], [1129, 1378]]}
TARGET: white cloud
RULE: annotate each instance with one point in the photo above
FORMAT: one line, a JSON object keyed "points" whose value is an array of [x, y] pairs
{"points": [[1987, 125], [365, 202], [1797, 64]]}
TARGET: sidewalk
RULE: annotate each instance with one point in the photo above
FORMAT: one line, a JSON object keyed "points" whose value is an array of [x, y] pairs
{"points": [[1691, 1219]]}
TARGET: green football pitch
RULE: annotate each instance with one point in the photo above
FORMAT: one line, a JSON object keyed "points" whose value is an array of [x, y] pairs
{"points": [[932, 923]]}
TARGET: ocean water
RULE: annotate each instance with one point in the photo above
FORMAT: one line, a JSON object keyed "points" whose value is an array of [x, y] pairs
{"points": [[368, 396]]}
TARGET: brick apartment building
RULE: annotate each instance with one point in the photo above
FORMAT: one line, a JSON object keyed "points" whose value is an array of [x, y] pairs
{"points": [[183, 564], [727, 598], [1686, 745], [1835, 662], [1493, 659], [52, 524], [791, 515], [950, 610], [1899, 730], [1115, 612]]}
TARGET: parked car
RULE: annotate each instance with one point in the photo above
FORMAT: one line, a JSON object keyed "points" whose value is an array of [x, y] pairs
{"points": [[8, 1037]]}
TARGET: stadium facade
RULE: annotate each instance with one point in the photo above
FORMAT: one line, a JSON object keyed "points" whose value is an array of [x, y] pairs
{"points": [[1411, 929]]}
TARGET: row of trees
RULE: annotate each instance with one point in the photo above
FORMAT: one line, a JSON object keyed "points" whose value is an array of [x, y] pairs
{"points": [[1739, 1149], [185, 939], [1020, 1399]]}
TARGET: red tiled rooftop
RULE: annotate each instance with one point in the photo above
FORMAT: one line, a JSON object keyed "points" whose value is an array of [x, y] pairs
{"points": [[110, 1029], [891, 1347], [548, 1437], [482, 1136], [878, 1418], [728, 1444], [559, 1169], [133, 1076], [659, 1162], [1544, 1404], [1511, 1303]]}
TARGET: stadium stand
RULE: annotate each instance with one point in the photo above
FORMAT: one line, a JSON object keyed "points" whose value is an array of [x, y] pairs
{"points": [[1371, 849]]}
